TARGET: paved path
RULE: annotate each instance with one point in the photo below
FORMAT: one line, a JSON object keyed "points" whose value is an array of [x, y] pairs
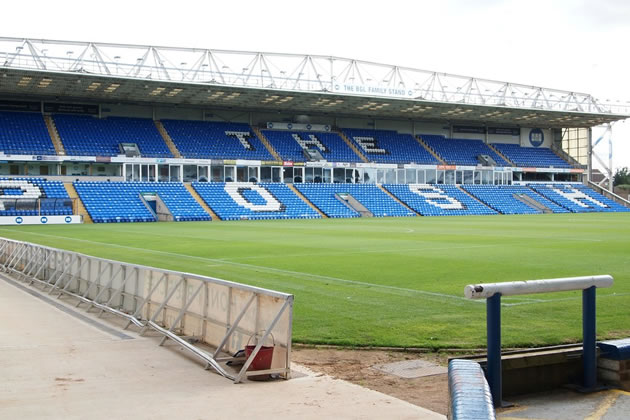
{"points": [[58, 362], [569, 405]]}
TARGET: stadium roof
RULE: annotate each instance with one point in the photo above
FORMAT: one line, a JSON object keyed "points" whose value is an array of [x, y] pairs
{"points": [[253, 81]]}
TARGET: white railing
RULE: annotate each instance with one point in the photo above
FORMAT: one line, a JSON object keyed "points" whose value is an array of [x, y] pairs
{"points": [[183, 307]]}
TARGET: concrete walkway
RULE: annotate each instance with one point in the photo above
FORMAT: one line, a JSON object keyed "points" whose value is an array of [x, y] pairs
{"points": [[568, 405], [61, 362]]}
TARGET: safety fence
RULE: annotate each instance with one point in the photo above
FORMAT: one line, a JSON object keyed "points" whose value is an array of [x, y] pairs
{"points": [[214, 319]]}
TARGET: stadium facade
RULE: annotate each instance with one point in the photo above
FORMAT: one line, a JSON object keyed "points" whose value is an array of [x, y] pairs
{"points": [[255, 135]]}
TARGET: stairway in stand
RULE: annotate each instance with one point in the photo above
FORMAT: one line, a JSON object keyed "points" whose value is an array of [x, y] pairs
{"points": [[80, 208], [168, 140], [202, 203], [267, 145], [430, 150], [54, 135], [353, 147], [299, 194]]}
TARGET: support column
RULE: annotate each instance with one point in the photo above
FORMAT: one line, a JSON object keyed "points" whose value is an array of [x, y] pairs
{"points": [[589, 350], [493, 369]]}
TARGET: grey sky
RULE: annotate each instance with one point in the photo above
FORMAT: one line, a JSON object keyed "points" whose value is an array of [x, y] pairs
{"points": [[565, 44]]}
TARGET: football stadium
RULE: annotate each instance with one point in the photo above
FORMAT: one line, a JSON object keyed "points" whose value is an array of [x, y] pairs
{"points": [[215, 178]]}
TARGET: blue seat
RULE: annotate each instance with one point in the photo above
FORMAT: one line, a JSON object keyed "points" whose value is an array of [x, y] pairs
{"points": [[24, 133], [83, 135], [438, 200], [216, 140], [326, 197], [387, 146], [242, 200], [535, 157], [119, 202], [290, 145], [461, 151], [577, 198]]}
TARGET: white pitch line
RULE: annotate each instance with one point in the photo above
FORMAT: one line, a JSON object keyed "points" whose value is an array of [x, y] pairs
{"points": [[563, 299], [268, 269]]}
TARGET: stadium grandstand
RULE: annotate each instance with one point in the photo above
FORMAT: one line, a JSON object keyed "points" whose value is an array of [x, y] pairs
{"points": [[115, 133]]}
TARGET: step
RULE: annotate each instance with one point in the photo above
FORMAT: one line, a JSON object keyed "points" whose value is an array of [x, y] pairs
{"points": [[299, 194], [202, 203], [396, 199], [428, 149], [168, 140], [501, 155], [353, 147], [81, 210], [54, 135], [266, 143]]}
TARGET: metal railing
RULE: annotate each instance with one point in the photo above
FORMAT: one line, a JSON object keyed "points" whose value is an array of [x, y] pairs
{"points": [[492, 292], [37, 206], [186, 308]]}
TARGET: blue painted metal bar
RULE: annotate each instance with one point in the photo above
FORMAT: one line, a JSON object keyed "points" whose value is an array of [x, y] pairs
{"points": [[589, 352], [493, 311]]}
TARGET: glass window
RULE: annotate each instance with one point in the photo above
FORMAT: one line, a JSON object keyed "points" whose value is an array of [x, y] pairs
{"points": [[163, 173], [202, 173], [276, 174], [410, 176], [217, 173], [128, 172], [298, 175], [190, 173], [459, 177], [265, 174], [241, 174], [309, 174], [339, 175], [400, 176], [421, 179], [252, 175], [229, 173], [288, 175], [431, 177], [380, 176], [390, 176], [440, 177], [175, 173], [477, 177], [327, 175], [318, 175], [369, 176]]}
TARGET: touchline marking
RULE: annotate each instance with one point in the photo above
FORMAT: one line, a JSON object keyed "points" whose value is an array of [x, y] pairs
{"points": [[563, 299], [268, 269], [358, 252]]}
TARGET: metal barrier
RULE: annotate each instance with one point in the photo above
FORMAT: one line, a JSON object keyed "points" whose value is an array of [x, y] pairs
{"points": [[468, 391], [183, 307], [492, 292]]}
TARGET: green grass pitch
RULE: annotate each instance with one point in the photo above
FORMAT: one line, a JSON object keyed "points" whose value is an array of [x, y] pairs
{"points": [[392, 281]]}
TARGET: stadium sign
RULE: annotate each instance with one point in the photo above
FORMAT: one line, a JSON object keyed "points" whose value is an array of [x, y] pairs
{"points": [[297, 126], [536, 137], [372, 90]]}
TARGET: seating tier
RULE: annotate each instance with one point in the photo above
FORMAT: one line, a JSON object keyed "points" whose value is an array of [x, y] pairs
{"points": [[244, 200], [24, 133], [326, 198], [83, 135]]}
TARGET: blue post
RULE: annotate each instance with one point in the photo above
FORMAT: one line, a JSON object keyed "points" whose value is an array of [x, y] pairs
{"points": [[589, 349], [493, 312]]}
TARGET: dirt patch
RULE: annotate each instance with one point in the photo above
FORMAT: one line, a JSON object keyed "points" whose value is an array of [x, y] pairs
{"points": [[357, 366]]}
